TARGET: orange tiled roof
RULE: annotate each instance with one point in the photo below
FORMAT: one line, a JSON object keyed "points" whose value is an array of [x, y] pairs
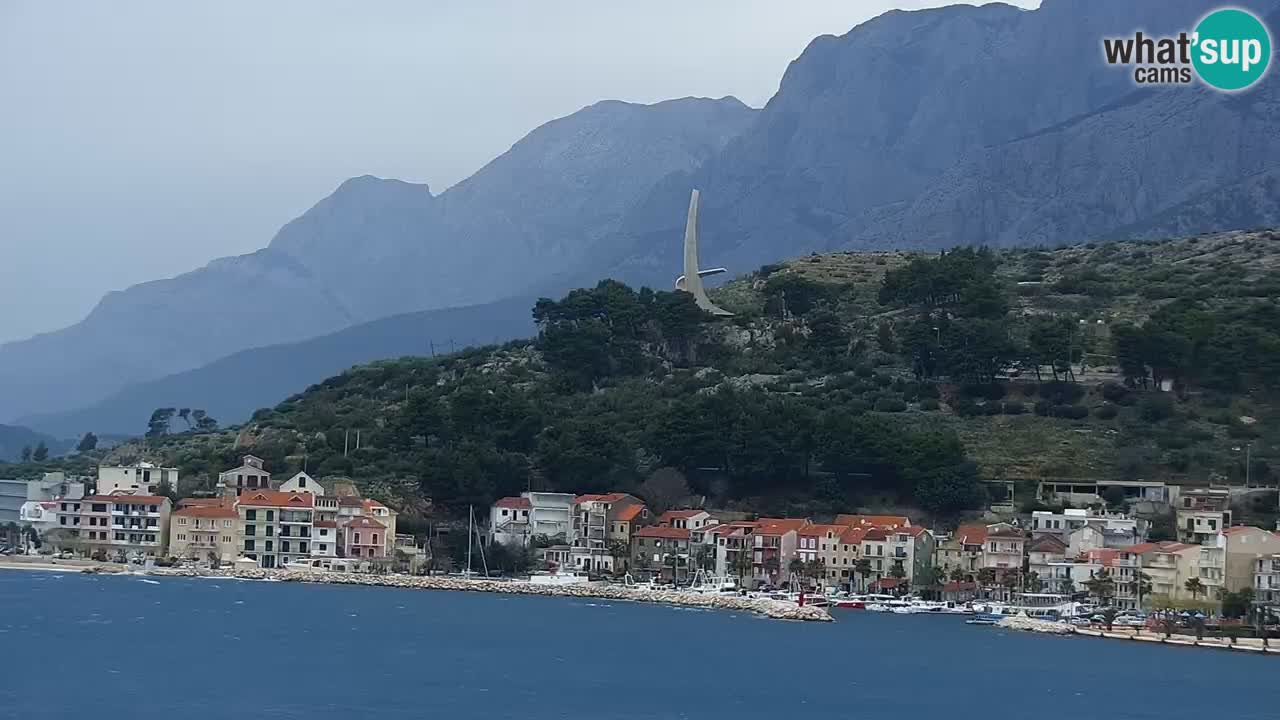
{"points": [[275, 498], [206, 511], [365, 522], [885, 521], [822, 530], [516, 503], [1048, 543], [325, 523], [629, 513], [679, 514], [854, 535], [779, 526], [971, 534], [875, 533], [664, 532]]}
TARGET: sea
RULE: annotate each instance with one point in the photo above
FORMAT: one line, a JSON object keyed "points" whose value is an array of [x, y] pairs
{"points": [[75, 645]]}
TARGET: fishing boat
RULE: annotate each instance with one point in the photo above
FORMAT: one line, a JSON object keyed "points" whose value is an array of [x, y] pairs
{"points": [[985, 619]]}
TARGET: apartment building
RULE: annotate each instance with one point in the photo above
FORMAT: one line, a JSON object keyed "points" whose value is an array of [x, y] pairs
{"points": [[366, 538], [591, 517], [1242, 546], [275, 527], [516, 520], [662, 551], [774, 544], [734, 548], [302, 482], [1202, 513], [1266, 579], [1004, 548], [125, 527], [204, 532]]}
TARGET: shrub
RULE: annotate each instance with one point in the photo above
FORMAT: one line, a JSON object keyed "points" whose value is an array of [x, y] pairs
{"points": [[1071, 412], [967, 408], [1156, 407], [1240, 431], [929, 404], [890, 405], [991, 391], [929, 390], [856, 407], [1106, 412], [863, 371], [991, 408], [1044, 408], [1062, 393], [1014, 408], [1114, 391]]}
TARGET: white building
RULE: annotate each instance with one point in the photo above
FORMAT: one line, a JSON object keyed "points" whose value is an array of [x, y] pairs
{"points": [[41, 515], [1202, 513], [515, 520], [141, 478], [1266, 579], [249, 476], [1117, 529], [302, 482]]}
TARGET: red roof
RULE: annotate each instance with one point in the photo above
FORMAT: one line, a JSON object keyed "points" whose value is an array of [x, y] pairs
{"points": [[971, 534], [516, 503], [206, 511], [1049, 544], [607, 498], [670, 515], [325, 524], [854, 535], [883, 521], [875, 533], [364, 522], [1005, 532], [779, 526], [275, 498], [664, 532], [629, 513]]}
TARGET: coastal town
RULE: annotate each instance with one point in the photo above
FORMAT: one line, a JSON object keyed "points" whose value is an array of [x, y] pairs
{"points": [[1101, 551]]}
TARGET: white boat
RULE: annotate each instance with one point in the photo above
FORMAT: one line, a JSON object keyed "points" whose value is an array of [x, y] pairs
{"points": [[559, 578], [706, 584]]}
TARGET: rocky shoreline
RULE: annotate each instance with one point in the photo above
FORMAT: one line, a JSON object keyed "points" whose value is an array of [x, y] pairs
{"points": [[775, 609]]}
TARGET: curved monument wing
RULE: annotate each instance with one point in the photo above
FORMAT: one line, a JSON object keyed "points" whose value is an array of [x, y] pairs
{"points": [[692, 280]]}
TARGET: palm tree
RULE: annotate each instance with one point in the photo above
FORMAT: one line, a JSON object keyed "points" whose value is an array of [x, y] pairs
{"points": [[1009, 581], [863, 568], [1034, 583], [742, 564], [1195, 587], [797, 568], [1144, 586], [817, 569]]}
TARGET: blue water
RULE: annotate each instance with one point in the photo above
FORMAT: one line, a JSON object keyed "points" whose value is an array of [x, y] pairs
{"points": [[119, 647]]}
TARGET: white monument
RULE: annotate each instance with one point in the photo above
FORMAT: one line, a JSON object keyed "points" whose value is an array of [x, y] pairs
{"points": [[691, 280]]}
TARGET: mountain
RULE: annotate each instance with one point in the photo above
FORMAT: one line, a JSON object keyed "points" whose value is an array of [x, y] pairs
{"points": [[232, 388], [961, 125], [376, 248], [14, 438]]}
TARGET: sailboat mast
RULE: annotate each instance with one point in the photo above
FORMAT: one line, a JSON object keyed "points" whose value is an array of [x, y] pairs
{"points": [[471, 518]]}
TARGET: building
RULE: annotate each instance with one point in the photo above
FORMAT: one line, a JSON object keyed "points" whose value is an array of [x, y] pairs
{"points": [[774, 547], [532, 514], [1093, 492], [884, 522], [124, 527], [1043, 555], [1004, 548], [625, 523], [1115, 529], [366, 538], [1202, 513], [662, 551], [686, 519], [734, 549], [818, 543], [591, 517], [141, 478], [962, 551], [301, 482], [911, 548], [205, 532], [42, 516], [1266, 579], [386, 517], [275, 527], [249, 476], [1242, 546]]}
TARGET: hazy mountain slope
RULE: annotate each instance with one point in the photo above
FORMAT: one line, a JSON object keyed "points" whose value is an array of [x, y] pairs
{"points": [[230, 389], [375, 248], [872, 122], [14, 438]]}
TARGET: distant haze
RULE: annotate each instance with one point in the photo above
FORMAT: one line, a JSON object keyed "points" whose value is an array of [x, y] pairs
{"points": [[142, 139]]}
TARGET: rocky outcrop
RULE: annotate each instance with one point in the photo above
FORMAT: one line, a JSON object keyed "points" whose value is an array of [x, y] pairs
{"points": [[763, 606]]}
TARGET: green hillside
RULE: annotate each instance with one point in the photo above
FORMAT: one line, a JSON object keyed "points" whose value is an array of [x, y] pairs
{"points": [[845, 380]]}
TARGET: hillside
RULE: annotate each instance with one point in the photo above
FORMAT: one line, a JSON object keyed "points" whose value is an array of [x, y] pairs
{"points": [[845, 380]]}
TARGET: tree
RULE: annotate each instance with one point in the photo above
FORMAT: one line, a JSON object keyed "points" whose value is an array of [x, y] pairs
{"points": [[166, 489], [204, 423], [1102, 586], [1237, 604], [704, 557], [664, 489], [41, 452], [1195, 587], [817, 569], [215, 560], [1109, 616], [931, 579], [743, 565], [158, 425], [863, 569], [1010, 580], [797, 568], [1144, 587], [185, 414], [87, 443], [620, 551], [986, 578], [26, 454], [958, 574], [1034, 583]]}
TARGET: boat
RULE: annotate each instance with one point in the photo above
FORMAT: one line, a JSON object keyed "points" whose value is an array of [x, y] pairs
{"points": [[559, 578], [985, 619], [706, 584]]}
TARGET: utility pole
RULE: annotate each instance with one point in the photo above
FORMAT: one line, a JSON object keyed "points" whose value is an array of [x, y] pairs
{"points": [[346, 437]]}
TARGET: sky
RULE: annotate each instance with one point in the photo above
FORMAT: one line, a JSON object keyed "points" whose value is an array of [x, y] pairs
{"points": [[142, 139]]}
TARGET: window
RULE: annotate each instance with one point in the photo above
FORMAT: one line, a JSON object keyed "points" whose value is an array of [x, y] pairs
{"points": [[357, 538], [182, 521], [269, 544], [271, 529], [271, 515], [375, 538], [370, 552], [226, 538], [226, 523], [504, 513], [120, 536], [302, 482], [250, 530], [302, 547], [250, 514], [182, 537], [153, 508], [323, 547], [249, 544]]}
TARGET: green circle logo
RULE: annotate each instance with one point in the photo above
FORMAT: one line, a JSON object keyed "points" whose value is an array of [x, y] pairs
{"points": [[1232, 49]]}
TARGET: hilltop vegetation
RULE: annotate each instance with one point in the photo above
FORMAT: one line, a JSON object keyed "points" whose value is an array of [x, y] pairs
{"points": [[847, 380]]}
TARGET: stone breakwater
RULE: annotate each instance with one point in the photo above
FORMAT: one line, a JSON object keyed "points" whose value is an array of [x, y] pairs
{"points": [[1020, 622], [763, 606]]}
